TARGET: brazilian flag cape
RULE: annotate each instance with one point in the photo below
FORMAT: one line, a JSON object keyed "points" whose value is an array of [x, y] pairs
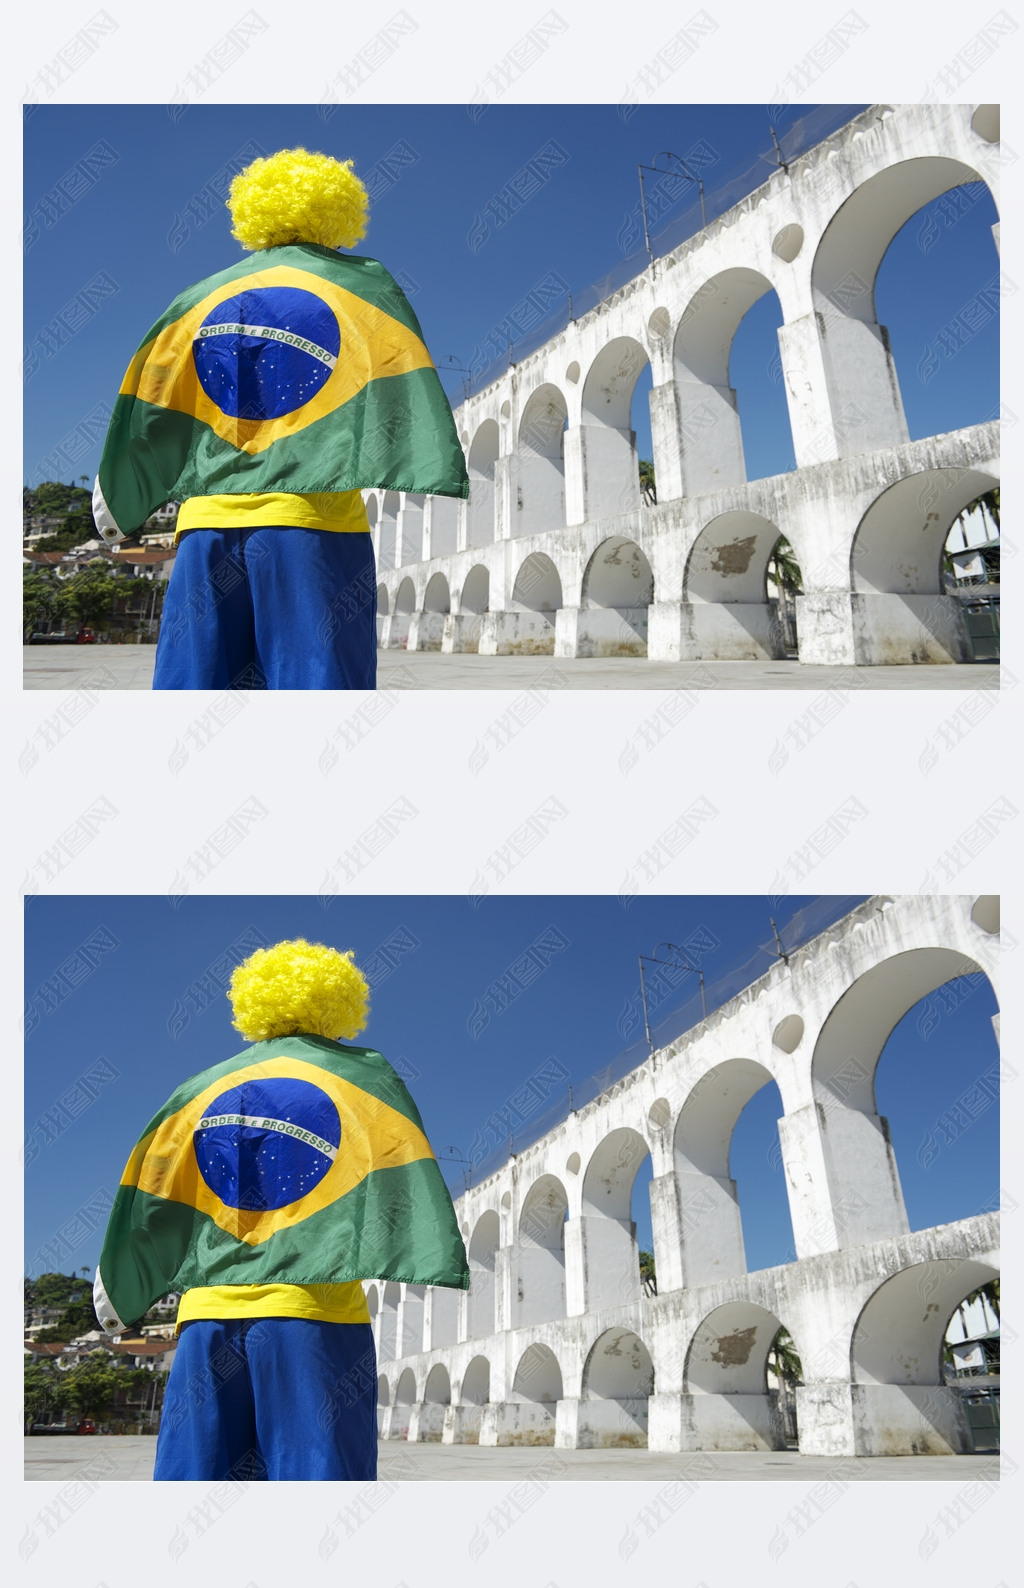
{"points": [[300, 1162], [299, 370]]}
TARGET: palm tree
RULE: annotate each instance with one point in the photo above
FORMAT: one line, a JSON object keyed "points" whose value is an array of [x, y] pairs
{"points": [[648, 489], [648, 1278], [783, 1360], [987, 504], [783, 568]]}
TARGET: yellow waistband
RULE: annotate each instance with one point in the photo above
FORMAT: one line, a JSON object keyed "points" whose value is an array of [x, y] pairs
{"points": [[327, 1303], [337, 510]]}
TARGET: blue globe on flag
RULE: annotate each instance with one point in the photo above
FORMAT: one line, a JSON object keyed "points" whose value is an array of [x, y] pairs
{"points": [[265, 353], [265, 1144]]}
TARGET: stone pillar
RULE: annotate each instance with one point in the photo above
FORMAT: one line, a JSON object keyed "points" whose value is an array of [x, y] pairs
{"points": [[869, 630], [841, 386], [538, 1286], [666, 442], [838, 1419], [410, 1322], [723, 631], [601, 1264], [518, 633], [844, 1187], [537, 493], [461, 633], [601, 1424], [396, 1422], [710, 439], [502, 1289], [426, 631], [519, 1423], [480, 513], [503, 499], [601, 479], [426, 1423], [681, 1423], [601, 631], [461, 1425], [697, 1230], [394, 634]]}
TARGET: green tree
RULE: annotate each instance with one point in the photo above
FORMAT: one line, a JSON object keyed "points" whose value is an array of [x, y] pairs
{"points": [[783, 1359], [648, 1277], [87, 598], [648, 487], [77, 1318], [40, 606], [92, 1386], [783, 568], [45, 1392]]}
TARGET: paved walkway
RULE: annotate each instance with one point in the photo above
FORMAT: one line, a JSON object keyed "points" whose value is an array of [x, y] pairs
{"points": [[59, 1457], [131, 667]]}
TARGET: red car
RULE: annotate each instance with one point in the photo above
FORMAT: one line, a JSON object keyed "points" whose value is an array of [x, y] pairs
{"points": [[87, 1426], [85, 637]]}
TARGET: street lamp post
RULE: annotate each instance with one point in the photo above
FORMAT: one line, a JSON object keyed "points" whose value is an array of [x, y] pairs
{"points": [[652, 959], [690, 176]]}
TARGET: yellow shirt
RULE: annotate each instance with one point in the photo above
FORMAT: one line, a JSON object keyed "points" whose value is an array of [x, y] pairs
{"points": [[326, 1303], [338, 510]]}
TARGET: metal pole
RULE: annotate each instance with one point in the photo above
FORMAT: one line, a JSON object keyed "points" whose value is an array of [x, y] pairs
{"points": [[643, 212], [778, 151], [778, 941], [643, 995]]}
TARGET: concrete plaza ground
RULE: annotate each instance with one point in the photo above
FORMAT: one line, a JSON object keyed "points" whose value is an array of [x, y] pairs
{"points": [[129, 1458], [131, 667]]}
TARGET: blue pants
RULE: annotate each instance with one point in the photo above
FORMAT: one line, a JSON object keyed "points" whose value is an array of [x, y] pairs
{"points": [[270, 1398], [270, 609]]}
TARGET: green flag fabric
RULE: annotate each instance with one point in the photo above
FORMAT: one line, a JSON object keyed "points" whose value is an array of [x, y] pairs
{"points": [[300, 1161], [298, 370]]}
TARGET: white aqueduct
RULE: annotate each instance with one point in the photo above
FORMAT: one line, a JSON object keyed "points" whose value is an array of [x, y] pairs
{"points": [[556, 1342], [555, 551]]}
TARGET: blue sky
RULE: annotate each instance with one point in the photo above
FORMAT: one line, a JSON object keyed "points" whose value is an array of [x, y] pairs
{"points": [[143, 226], [147, 1009]]}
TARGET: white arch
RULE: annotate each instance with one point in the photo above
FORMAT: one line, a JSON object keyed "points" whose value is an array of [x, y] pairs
{"points": [[898, 545], [728, 561]]}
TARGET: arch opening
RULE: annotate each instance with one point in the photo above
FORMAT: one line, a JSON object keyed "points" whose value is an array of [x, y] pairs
{"points": [[608, 1227], [863, 386], [481, 464], [539, 1284], [742, 1371], [436, 597], [538, 587], [538, 503], [617, 592], [405, 600], [538, 1376], [476, 1382], [476, 590], [716, 1140], [714, 422], [438, 1389], [482, 1250], [899, 543], [618, 1381], [902, 1001], [607, 439]]}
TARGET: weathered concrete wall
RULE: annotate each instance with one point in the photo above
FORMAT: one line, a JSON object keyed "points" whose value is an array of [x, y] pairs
{"points": [[866, 511], [556, 1343]]}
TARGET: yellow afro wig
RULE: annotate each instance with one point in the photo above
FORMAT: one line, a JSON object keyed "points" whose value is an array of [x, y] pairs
{"points": [[298, 987], [298, 197]]}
